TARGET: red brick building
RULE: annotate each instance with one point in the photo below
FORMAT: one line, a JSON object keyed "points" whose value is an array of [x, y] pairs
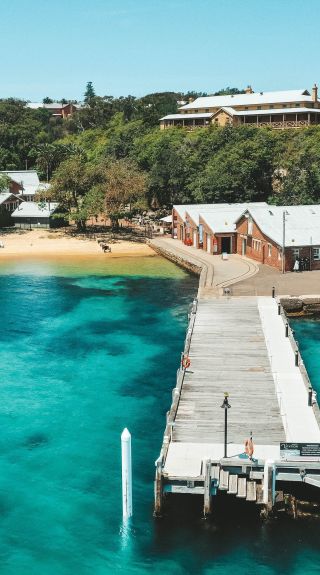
{"points": [[264, 233], [56, 108]]}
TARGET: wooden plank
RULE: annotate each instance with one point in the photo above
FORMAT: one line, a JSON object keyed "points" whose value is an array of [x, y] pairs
{"points": [[251, 491], [256, 475], [259, 498], [242, 487], [233, 484], [224, 480]]}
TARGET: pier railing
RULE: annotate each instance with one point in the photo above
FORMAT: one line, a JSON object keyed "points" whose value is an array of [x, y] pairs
{"points": [[176, 392]]}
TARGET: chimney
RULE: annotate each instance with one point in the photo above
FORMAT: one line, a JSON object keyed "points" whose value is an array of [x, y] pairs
{"points": [[315, 93], [191, 100], [248, 90]]}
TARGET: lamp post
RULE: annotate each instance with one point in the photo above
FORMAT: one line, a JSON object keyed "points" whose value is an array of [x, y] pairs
{"points": [[225, 405]]}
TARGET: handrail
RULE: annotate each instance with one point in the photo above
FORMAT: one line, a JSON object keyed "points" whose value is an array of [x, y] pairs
{"points": [[176, 392]]}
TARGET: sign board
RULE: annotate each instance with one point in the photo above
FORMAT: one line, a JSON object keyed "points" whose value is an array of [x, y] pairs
{"points": [[294, 450]]}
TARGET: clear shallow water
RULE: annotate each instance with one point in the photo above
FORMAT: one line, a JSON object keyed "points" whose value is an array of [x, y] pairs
{"points": [[85, 351], [307, 333]]}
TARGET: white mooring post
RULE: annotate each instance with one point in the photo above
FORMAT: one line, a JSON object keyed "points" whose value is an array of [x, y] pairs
{"points": [[126, 474]]}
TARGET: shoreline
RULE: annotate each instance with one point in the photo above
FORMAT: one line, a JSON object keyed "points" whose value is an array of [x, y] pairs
{"points": [[46, 244]]}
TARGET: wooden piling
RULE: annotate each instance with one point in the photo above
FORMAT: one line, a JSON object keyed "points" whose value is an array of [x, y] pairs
{"points": [[207, 504], [158, 489]]}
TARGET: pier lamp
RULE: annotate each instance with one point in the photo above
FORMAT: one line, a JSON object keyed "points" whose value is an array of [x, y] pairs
{"points": [[225, 405]]}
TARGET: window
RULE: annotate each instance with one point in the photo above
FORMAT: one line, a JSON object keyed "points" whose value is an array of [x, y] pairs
{"points": [[272, 106], [295, 252], [207, 110], [269, 250], [258, 107], [196, 111], [316, 254], [297, 105], [279, 254], [256, 245], [246, 107]]}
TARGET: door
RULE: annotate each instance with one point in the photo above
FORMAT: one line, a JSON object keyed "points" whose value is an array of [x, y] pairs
{"points": [[226, 245], [244, 246], [195, 238], [208, 244]]}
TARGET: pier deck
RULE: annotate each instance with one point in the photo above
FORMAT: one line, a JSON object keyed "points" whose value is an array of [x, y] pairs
{"points": [[236, 345]]}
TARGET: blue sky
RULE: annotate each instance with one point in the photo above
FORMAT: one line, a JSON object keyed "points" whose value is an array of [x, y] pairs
{"points": [[52, 48]]}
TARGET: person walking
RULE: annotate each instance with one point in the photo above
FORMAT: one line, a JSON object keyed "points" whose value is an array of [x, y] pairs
{"points": [[296, 266]]}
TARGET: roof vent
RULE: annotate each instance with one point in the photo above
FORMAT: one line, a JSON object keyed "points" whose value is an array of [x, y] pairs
{"points": [[261, 93], [271, 213]]}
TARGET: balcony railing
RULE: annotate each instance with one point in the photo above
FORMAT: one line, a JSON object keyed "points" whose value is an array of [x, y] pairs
{"points": [[280, 125]]}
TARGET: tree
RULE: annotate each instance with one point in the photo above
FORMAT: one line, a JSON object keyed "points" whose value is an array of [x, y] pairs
{"points": [[4, 182], [47, 100], [89, 94], [229, 91], [123, 188], [72, 180]]}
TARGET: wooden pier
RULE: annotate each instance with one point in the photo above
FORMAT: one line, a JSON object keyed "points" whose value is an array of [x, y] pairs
{"points": [[240, 346]]}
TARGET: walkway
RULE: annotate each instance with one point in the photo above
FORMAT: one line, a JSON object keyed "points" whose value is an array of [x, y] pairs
{"points": [[216, 272], [228, 354], [238, 346]]}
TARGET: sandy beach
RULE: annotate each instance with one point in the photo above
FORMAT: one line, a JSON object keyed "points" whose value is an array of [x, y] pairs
{"points": [[46, 242]]}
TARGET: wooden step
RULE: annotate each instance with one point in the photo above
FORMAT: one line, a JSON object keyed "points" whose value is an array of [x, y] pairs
{"points": [[233, 485], [224, 480], [215, 472], [259, 499], [251, 491], [242, 487]]}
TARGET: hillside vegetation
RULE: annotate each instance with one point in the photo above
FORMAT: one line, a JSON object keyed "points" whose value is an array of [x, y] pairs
{"points": [[174, 166]]}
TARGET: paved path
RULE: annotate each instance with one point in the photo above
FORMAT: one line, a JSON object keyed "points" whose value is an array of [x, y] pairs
{"points": [[216, 272], [290, 283], [247, 278]]}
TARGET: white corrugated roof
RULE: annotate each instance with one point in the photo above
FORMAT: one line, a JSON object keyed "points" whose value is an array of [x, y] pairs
{"points": [[249, 99], [26, 177], [181, 209], [205, 210], [34, 210], [6, 195], [186, 116], [302, 226]]}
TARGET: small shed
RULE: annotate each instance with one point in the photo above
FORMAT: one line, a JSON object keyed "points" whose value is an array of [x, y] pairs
{"points": [[36, 215]]}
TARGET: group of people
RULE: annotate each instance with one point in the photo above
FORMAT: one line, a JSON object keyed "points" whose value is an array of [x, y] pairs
{"points": [[301, 265]]}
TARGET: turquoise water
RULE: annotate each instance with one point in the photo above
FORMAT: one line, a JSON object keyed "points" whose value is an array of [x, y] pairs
{"points": [[307, 333], [84, 352]]}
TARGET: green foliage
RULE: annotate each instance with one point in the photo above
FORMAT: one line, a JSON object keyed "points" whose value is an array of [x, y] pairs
{"points": [[228, 91], [4, 182], [89, 94], [206, 165]]}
